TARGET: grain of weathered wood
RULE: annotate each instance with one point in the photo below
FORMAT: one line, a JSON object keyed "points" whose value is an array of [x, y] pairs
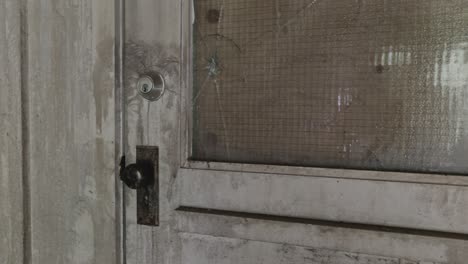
{"points": [[200, 249], [398, 245], [11, 202], [439, 179], [70, 85], [152, 44], [410, 205]]}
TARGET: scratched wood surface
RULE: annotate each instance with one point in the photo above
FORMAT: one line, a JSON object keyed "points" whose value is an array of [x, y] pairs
{"points": [[220, 250], [396, 204], [153, 42], [11, 213], [413, 247], [69, 83]]}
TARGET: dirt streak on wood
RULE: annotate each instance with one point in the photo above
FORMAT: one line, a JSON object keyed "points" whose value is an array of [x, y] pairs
{"points": [[11, 195]]}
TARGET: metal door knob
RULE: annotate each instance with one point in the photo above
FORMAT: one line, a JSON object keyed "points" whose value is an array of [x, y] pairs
{"points": [[144, 177], [133, 175]]}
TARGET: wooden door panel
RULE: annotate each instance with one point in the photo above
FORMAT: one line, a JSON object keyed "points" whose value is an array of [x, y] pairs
{"points": [[410, 205], [57, 177], [69, 125], [11, 183], [338, 238], [201, 249]]}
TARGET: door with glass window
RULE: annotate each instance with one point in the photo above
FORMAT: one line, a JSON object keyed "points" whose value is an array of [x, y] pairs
{"points": [[300, 131]]}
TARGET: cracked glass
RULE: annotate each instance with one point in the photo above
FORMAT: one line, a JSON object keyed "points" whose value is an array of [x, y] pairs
{"points": [[360, 84]]}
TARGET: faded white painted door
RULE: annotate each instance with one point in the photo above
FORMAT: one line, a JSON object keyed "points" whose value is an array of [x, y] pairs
{"points": [[334, 97], [57, 123]]}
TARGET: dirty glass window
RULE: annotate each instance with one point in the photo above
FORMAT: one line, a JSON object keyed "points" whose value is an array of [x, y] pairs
{"points": [[365, 84]]}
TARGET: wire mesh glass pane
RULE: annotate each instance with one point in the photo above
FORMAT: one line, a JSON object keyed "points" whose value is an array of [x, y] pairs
{"points": [[380, 85]]}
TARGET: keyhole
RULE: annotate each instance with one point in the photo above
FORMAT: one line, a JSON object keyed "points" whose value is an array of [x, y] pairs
{"points": [[151, 86]]}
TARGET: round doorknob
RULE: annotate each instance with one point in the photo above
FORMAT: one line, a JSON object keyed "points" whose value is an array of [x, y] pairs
{"points": [[132, 175]]}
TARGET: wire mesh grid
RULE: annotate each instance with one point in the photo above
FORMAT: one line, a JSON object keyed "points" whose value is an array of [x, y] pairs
{"points": [[365, 84]]}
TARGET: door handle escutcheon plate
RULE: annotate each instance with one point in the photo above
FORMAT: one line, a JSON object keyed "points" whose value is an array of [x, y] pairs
{"points": [[144, 177]]}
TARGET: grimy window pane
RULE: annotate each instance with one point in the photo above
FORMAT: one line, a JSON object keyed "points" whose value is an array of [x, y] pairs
{"points": [[366, 84]]}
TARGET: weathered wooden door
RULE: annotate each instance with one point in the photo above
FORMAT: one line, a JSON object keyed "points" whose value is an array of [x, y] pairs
{"points": [[57, 142], [339, 100]]}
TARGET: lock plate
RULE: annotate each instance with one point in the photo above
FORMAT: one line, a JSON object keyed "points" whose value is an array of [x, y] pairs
{"points": [[147, 160]]}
